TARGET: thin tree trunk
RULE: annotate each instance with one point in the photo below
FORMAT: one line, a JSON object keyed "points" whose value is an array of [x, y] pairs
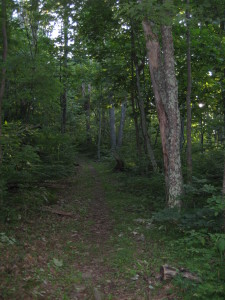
{"points": [[182, 139], [86, 99], [88, 115], [162, 70], [201, 134], [147, 142], [188, 98], [223, 190], [64, 77], [138, 144], [34, 23], [223, 195], [148, 146], [112, 127], [122, 123], [4, 57], [99, 132]]}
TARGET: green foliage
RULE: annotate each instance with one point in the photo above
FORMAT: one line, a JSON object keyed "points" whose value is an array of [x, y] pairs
{"points": [[31, 156]]}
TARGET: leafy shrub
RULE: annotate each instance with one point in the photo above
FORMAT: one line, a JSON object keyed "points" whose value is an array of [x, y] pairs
{"points": [[30, 156]]}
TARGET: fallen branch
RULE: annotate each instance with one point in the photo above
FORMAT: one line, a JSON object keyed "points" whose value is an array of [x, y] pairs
{"points": [[168, 272], [57, 212]]}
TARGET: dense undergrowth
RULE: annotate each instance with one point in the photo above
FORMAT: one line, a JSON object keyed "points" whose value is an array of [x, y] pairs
{"points": [[31, 155], [193, 238]]}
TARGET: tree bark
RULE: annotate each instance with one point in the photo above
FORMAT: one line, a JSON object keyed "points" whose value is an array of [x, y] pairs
{"points": [[112, 127], [34, 23], [223, 190], [122, 123], [87, 107], [4, 57], [88, 115], [99, 132], [138, 144], [64, 77], [147, 142], [162, 70], [188, 98]]}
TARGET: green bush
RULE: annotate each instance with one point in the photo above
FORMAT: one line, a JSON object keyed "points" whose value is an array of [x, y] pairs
{"points": [[30, 156]]}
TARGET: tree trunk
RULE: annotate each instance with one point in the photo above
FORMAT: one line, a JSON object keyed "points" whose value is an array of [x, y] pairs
{"points": [[99, 132], [223, 190], [147, 142], [201, 134], [223, 195], [88, 115], [4, 57], [138, 144], [188, 98], [112, 127], [122, 122], [162, 70], [64, 77], [87, 107], [34, 24]]}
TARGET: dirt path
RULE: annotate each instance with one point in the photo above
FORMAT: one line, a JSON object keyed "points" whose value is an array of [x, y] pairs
{"points": [[76, 254]]}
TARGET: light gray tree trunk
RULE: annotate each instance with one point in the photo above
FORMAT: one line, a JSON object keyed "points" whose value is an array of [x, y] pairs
{"points": [[88, 115], [162, 70], [99, 132], [112, 124], [122, 123]]}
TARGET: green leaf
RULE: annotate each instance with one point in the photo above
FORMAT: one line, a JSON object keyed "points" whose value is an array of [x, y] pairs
{"points": [[57, 262], [221, 245]]}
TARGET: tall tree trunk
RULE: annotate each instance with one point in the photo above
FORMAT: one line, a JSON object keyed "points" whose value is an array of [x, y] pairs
{"points": [[138, 144], [188, 98], [64, 70], [162, 70], [88, 115], [87, 108], [4, 57], [223, 190], [147, 142], [112, 127], [34, 23], [201, 136], [122, 123], [99, 132], [223, 195], [148, 146]]}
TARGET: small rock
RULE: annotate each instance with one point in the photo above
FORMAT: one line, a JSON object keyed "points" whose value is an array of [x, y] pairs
{"points": [[136, 277], [80, 288], [97, 295], [141, 238]]}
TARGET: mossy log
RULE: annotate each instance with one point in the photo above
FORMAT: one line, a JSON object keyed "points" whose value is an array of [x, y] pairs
{"points": [[168, 272]]}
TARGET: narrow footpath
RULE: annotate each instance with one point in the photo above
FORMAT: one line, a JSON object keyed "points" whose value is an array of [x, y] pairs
{"points": [[77, 248]]}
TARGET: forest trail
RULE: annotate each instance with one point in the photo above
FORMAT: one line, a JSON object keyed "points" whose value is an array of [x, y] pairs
{"points": [[72, 250]]}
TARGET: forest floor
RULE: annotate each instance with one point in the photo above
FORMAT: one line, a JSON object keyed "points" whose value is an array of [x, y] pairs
{"points": [[90, 244]]}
